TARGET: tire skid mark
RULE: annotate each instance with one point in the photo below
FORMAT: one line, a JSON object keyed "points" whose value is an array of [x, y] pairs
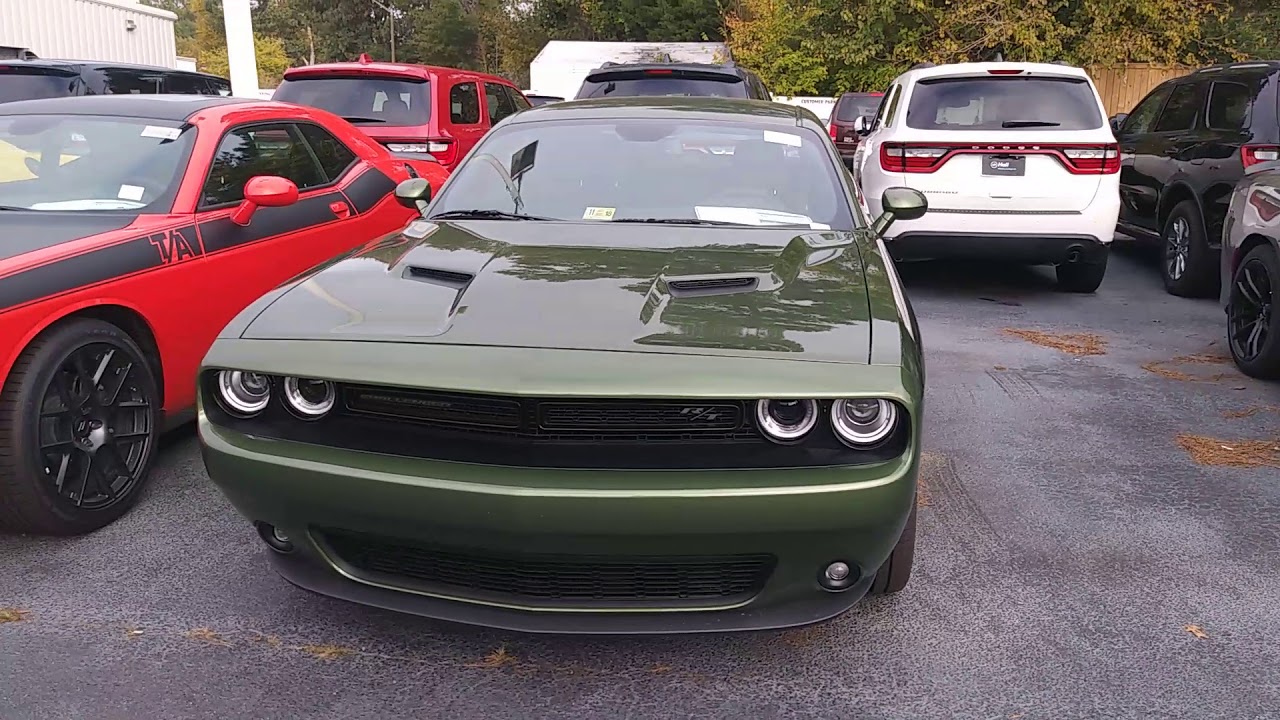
{"points": [[954, 507], [1014, 384]]}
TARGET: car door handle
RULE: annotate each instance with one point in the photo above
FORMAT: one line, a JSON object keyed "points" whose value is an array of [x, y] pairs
{"points": [[340, 209]]}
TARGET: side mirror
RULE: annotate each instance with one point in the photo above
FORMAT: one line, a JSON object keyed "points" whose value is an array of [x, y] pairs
{"points": [[415, 194], [861, 125], [900, 203], [1117, 120], [264, 191]]}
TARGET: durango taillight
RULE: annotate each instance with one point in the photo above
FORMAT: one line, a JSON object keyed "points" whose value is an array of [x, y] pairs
{"points": [[1254, 154], [1101, 160], [907, 158], [444, 150], [1268, 207]]}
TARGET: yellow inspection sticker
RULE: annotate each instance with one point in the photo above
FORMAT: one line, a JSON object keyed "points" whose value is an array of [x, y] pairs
{"points": [[598, 213]]}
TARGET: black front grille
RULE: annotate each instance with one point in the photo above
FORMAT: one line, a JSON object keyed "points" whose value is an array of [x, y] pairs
{"points": [[554, 580]]}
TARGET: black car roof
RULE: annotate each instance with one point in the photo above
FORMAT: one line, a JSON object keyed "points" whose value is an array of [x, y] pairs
{"points": [[639, 107], [99, 65], [727, 68], [152, 107]]}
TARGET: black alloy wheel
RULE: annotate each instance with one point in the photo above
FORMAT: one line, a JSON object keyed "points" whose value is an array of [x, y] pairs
{"points": [[1187, 264], [1253, 326], [78, 428]]}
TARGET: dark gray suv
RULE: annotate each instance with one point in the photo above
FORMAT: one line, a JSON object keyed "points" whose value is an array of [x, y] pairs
{"points": [[692, 79]]}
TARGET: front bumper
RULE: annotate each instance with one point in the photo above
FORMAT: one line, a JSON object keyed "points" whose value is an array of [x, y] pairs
{"points": [[804, 519]]}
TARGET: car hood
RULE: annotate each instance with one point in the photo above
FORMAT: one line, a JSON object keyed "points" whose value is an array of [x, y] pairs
{"points": [[634, 288]]}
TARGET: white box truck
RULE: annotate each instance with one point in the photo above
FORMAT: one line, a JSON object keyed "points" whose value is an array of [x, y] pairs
{"points": [[562, 65]]}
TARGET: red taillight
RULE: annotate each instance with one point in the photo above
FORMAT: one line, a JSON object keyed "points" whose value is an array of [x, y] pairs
{"points": [[906, 158], [658, 72], [1006, 72], [1254, 154], [1102, 159], [1268, 208], [831, 128], [444, 150]]}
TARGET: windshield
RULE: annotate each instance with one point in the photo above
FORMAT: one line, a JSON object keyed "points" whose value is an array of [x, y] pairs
{"points": [[631, 85], [1004, 103], [854, 106], [85, 162], [27, 85], [654, 170], [399, 101]]}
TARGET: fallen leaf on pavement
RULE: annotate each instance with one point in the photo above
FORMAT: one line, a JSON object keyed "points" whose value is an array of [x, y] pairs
{"points": [[1078, 344], [1249, 412], [1231, 453], [11, 615], [496, 659], [1197, 631], [206, 635], [326, 652]]}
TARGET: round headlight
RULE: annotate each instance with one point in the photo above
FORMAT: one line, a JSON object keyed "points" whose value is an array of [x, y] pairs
{"points": [[860, 423], [786, 420], [310, 399], [243, 393]]}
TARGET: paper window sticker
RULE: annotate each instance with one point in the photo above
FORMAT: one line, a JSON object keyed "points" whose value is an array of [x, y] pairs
{"points": [[132, 193], [164, 133], [599, 213], [782, 138]]}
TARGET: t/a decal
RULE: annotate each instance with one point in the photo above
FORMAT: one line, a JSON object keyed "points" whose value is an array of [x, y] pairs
{"points": [[174, 247]]}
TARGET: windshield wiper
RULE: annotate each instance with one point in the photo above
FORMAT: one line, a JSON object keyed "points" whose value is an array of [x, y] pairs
{"points": [[357, 119], [679, 221], [13, 208], [1028, 123], [484, 215]]}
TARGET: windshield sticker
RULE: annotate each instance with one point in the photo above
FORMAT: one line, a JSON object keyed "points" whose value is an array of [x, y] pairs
{"points": [[756, 216], [164, 133], [131, 192], [599, 213], [782, 138]]}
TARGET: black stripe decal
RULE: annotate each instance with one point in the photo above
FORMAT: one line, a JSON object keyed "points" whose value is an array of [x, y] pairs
{"points": [[24, 232], [369, 189], [166, 247], [222, 234]]}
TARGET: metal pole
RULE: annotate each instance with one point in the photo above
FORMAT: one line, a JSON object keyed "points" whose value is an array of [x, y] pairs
{"points": [[242, 59]]}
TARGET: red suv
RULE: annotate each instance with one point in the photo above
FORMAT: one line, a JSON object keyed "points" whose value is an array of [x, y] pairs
{"points": [[412, 109]]}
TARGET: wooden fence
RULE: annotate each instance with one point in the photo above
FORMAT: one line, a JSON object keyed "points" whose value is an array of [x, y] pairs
{"points": [[1123, 86]]}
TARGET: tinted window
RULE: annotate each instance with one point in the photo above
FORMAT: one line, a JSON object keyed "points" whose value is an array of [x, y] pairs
{"points": [[121, 81], [891, 112], [1003, 103], [649, 83], [853, 106], [86, 162], [1180, 112], [517, 99], [498, 102], [464, 104], [369, 99], [34, 84], [1228, 107], [258, 150], [1144, 116], [334, 156], [608, 170], [179, 84]]}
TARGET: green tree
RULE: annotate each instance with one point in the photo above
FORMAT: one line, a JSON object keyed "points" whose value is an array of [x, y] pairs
{"points": [[271, 58]]}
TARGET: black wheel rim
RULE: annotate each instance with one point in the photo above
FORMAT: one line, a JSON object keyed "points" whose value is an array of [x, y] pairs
{"points": [[96, 426], [1250, 310], [1177, 248]]}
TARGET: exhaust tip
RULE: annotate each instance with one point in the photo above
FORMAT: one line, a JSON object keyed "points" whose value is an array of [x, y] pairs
{"points": [[274, 537]]}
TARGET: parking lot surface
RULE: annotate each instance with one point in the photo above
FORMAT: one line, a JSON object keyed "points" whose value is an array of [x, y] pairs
{"points": [[1073, 561]]}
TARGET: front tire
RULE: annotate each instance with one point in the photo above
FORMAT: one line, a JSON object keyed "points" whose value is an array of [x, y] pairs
{"points": [[1253, 324], [1083, 277], [79, 419], [892, 577], [1187, 265]]}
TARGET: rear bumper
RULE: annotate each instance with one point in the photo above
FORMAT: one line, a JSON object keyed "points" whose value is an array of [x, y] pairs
{"points": [[802, 519], [1036, 249]]}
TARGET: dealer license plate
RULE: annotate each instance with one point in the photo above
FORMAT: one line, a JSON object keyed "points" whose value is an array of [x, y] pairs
{"points": [[1005, 165]]}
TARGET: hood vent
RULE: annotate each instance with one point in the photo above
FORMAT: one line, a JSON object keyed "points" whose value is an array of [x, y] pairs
{"points": [[705, 287], [444, 278]]}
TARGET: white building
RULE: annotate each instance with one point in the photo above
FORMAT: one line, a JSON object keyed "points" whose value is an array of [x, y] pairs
{"points": [[124, 31]]}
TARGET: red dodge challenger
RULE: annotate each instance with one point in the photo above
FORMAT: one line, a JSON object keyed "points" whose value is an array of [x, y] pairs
{"points": [[132, 229]]}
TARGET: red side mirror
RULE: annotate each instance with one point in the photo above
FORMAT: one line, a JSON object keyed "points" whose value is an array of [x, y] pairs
{"points": [[264, 191]]}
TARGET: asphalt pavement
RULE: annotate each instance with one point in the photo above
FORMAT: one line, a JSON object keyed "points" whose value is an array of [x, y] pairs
{"points": [[1073, 562]]}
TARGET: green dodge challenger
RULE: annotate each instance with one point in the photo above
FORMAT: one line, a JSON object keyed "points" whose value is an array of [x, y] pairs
{"points": [[642, 367]]}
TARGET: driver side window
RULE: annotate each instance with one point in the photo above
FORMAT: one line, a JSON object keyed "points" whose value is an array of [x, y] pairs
{"points": [[270, 149], [1144, 115]]}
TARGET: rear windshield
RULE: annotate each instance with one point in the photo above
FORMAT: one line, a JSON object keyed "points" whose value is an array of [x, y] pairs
{"points": [[27, 85], [363, 100], [1003, 103], [854, 106], [641, 84]]}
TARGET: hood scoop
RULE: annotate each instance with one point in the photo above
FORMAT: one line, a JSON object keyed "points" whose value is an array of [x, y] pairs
{"points": [[451, 279], [712, 286]]}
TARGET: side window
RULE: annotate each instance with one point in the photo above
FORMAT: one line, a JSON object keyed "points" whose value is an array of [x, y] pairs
{"points": [[517, 98], [1144, 115], [1229, 104], [269, 149], [185, 85], [464, 104], [334, 156], [498, 102], [1181, 110], [878, 118], [120, 81], [892, 112]]}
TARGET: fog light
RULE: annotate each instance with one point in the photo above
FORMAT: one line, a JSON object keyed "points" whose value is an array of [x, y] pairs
{"points": [[274, 538], [838, 576]]}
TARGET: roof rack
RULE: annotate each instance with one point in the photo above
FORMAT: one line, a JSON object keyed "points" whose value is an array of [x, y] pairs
{"points": [[1247, 65]]}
